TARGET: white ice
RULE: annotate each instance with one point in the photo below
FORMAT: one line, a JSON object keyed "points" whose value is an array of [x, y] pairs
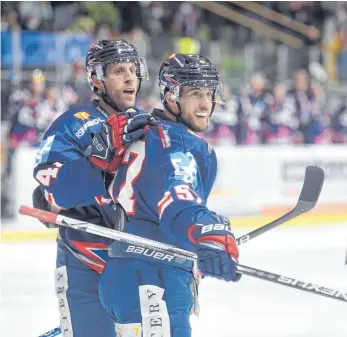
{"points": [[250, 308]]}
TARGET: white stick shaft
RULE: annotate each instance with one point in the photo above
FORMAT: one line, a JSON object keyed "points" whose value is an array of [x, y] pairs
{"points": [[121, 236]]}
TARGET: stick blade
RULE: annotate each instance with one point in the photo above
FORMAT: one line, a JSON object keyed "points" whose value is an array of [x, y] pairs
{"points": [[313, 183]]}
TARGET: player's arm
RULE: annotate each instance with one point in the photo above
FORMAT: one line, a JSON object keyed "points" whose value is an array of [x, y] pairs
{"points": [[183, 213], [66, 175], [73, 177]]}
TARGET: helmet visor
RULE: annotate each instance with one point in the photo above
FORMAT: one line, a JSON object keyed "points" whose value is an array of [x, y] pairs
{"points": [[215, 86], [140, 64]]}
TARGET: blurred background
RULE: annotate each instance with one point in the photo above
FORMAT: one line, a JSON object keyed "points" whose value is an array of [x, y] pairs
{"points": [[284, 66]]}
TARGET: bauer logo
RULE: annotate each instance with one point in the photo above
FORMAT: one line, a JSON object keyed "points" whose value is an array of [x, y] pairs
{"points": [[149, 253], [82, 115], [215, 227]]}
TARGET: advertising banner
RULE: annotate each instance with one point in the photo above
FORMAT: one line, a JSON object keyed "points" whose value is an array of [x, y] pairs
{"points": [[250, 181]]}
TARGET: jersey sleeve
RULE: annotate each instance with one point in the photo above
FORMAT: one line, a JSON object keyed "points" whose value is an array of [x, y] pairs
{"points": [[186, 176], [65, 174]]}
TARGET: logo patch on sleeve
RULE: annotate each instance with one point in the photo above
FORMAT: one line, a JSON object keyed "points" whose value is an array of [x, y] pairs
{"points": [[185, 167]]}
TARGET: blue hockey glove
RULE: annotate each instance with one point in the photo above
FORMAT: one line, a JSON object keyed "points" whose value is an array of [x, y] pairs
{"points": [[118, 133], [216, 249]]}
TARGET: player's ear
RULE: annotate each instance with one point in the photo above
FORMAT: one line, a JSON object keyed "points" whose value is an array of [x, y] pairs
{"points": [[171, 100], [170, 97]]}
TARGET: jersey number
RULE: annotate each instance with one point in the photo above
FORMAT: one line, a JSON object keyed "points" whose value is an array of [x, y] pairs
{"points": [[44, 176], [126, 193]]}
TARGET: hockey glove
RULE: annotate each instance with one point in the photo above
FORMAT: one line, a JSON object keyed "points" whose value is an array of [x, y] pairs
{"points": [[216, 249], [118, 133]]}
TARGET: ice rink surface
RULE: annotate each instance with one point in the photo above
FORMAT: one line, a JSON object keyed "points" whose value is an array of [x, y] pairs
{"points": [[250, 308]]}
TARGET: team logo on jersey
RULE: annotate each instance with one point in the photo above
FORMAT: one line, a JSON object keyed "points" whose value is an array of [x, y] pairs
{"points": [[185, 167], [82, 115]]}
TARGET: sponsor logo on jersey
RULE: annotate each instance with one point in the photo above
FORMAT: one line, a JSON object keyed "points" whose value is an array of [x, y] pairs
{"points": [[82, 130], [82, 115]]}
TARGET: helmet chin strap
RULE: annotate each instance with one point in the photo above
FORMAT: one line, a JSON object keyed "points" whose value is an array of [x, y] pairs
{"points": [[179, 116], [169, 110], [104, 95]]}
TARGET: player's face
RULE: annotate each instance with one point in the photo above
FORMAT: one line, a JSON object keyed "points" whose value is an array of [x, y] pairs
{"points": [[121, 84], [196, 106]]}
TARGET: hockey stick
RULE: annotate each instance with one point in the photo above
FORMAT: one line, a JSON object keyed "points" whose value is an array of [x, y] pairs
{"points": [[131, 239], [52, 333], [178, 253], [293, 283], [313, 182], [310, 191]]}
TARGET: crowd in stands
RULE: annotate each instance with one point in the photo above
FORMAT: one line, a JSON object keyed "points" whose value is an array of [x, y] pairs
{"points": [[261, 112], [152, 24]]}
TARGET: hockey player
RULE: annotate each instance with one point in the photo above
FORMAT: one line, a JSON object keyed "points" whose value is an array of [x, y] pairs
{"points": [[72, 165], [163, 185]]}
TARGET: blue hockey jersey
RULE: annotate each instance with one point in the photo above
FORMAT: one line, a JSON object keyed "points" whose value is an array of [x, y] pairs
{"points": [[71, 183], [164, 182]]}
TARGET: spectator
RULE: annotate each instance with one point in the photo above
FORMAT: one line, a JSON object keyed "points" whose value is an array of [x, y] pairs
{"points": [[22, 128], [79, 85], [36, 15], [335, 49], [281, 122], [339, 124], [253, 108], [223, 128], [49, 109], [185, 20]]}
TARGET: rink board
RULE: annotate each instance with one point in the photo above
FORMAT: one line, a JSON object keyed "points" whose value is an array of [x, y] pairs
{"points": [[269, 180], [240, 223]]}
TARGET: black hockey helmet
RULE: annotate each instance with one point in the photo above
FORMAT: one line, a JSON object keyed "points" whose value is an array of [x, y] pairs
{"points": [[181, 70], [105, 52]]}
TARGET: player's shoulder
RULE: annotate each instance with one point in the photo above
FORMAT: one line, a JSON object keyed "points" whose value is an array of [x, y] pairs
{"points": [[78, 116]]}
